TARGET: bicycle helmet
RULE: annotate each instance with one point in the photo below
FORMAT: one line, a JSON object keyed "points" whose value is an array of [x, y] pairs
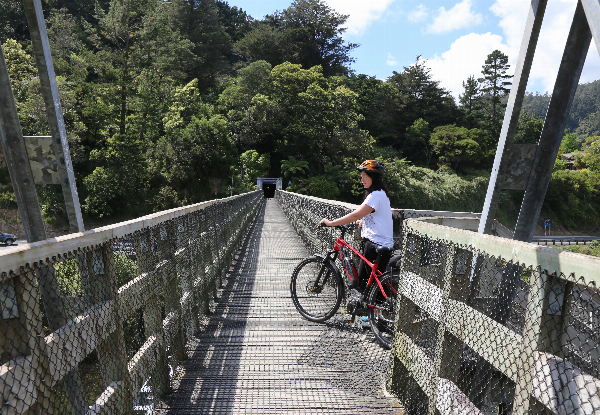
{"points": [[372, 166]]}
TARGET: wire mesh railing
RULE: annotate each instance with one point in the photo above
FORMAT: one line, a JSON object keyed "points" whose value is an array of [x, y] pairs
{"points": [[305, 212], [491, 325], [96, 322], [486, 325]]}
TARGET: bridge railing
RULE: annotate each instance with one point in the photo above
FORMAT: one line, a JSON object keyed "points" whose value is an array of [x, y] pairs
{"points": [[492, 325], [87, 318], [305, 212]]}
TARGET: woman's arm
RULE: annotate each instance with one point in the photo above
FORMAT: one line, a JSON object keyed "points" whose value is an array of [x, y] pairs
{"points": [[359, 213]]}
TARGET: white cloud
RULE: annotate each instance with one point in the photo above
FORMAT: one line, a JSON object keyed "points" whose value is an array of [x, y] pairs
{"points": [[458, 17], [391, 61], [468, 53], [465, 58], [419, 14], [362, 13]]}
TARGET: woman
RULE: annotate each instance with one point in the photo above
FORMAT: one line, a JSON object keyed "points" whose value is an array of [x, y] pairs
{"points": [[374, 216]]}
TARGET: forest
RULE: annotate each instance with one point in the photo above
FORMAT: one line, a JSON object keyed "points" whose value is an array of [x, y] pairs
{"points": [[168, 103]]}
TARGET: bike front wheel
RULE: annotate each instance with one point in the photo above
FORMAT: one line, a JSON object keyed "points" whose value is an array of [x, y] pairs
{"points": [[382, 311], [316, 289]]}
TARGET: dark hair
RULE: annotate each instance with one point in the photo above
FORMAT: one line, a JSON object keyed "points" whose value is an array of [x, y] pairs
{"points": [[377, 184]]}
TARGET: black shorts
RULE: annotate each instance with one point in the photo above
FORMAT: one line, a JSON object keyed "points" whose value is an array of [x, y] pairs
{"points": [[370, 252]]}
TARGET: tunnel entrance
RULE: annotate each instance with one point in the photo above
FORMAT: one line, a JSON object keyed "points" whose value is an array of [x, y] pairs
{"points": [[269, 185], [269, 190]]}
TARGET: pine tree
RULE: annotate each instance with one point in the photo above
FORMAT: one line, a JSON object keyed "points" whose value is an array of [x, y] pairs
{"points": [[470, 102], [495, 84]]}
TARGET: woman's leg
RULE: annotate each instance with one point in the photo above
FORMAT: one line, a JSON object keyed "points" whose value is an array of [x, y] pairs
{"points": [[369, 252]]}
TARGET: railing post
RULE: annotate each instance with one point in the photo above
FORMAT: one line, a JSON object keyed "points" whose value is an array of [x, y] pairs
{"points": [[455, 287], [172, 293], [537, 301], [205, 253], [112, 353], [153, 318], [186, 271], [29, 319], [53, 305]]}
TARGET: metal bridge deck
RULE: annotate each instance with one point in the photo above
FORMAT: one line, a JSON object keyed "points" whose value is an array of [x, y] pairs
{"points": [[256, 355]]}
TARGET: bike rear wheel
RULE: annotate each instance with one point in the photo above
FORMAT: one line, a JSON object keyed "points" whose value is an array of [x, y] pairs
{"points": [[382, 311], [316, 289]]}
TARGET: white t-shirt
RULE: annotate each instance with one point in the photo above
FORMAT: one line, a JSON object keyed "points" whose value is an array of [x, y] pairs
{"points": [[377, 226]]}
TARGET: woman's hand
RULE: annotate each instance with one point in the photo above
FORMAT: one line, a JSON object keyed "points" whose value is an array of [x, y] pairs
{"points": [[325, 222], [359, 223]]}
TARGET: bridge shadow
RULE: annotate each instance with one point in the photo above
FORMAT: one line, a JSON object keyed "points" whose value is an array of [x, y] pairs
{"points": [[207, 381]]}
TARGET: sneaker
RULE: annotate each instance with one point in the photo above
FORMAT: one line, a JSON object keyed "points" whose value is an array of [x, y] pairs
{"points": [[363, 322]]}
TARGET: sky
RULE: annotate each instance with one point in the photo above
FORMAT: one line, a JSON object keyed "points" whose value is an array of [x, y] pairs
{"points": [[454, 37]]}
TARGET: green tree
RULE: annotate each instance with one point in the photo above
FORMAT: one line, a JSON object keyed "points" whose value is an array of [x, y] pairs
{"points": [[316, 31], [297, 111], [419, 96], [14, 23], [192, 160], [470, 102], [292, 167], [458, 145], [495, 85], [201, 23], [237, 22], [376, 102], [320, 186], [266, 43], [418, 135], [253, 165], [529, 129], [592, 154], [116, 185], [308, 33], [569, 143]]}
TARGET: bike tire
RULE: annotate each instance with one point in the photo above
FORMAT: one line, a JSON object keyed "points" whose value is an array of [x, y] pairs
{"points": [[319, 303], [382, 311]]}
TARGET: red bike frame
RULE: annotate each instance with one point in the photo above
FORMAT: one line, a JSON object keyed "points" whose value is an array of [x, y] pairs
{"points": [[340, 242]]}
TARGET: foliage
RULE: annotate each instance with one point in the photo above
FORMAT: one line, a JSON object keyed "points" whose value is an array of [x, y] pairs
{"points": [[195, 154], [573, 198], [494, 86], [592, 249], [569, 143], [125, 269], [418, 135], [308, 33], [420, 188], [529, 129], [69, 279], [559, 164], [291, 167], [116, 184], [253, 165], [470, 102], [419, 96], [377, 101], [67, 276], [237, 23], [294, 111], [319, 186], [592, 154], [458, 145]]}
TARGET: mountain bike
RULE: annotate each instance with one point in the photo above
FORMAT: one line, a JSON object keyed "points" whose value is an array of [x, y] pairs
{"points": [[318, 289]]}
